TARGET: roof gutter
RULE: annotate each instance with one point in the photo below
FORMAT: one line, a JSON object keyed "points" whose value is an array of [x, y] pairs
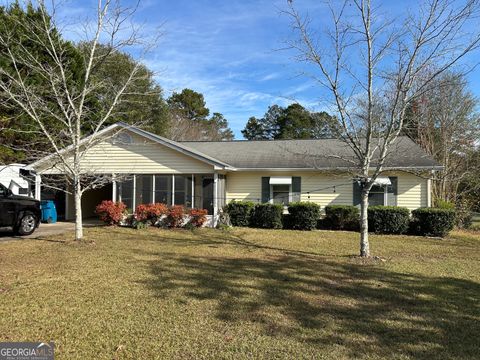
{"points": [[434, 167]]}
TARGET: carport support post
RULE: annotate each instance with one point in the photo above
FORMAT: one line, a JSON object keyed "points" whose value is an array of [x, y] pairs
{"points": [[38, 186]]}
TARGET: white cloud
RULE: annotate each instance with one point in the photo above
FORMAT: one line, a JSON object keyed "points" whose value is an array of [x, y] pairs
{"points": [[270, 76]]}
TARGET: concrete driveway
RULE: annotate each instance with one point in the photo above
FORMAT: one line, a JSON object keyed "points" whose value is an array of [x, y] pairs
{"points": [[61, 227]]}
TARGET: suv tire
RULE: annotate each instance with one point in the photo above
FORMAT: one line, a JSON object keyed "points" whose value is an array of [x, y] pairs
{"points": [[26, 225]]}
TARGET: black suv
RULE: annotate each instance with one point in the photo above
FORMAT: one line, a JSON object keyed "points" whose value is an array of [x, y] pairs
{"points": [[20, 212]]}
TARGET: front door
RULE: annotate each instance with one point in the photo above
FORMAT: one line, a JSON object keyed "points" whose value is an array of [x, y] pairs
{"points": [[207, 192], [7, 208]]}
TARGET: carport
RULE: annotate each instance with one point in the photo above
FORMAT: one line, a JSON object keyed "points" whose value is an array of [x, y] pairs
{"points": [[90, 199]]}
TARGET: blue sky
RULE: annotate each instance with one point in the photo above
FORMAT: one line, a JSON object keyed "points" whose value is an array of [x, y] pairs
{"points": [[228, 50]]}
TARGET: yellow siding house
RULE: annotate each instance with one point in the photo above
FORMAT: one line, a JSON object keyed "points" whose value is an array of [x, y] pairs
{"points": [[145, 168]]}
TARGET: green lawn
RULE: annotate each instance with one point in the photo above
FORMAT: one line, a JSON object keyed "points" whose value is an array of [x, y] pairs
{"points": [[142, 294]]}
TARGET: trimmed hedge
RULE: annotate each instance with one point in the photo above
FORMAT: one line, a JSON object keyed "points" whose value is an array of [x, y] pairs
{"points": [[287, 222], [432, 221], [266, 216], [303, 216], [388, 219], [341, 217], [239, 212]]}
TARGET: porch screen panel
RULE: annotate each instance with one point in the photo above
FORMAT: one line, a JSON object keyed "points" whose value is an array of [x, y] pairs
{"points": [[125, 192], [163, 189], [183, 190], [198, 197], [143, 189], [189, 203]]}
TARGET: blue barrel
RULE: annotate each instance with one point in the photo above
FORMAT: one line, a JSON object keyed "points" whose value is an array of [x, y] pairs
{"points": [[49, 211]]}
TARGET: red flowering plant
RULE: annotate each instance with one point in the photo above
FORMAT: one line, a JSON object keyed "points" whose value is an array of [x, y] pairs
{"points": [[150, 212], [111, 212], [198, 217], [175, 216]]}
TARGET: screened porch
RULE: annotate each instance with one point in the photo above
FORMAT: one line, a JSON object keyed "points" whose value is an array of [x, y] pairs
{"points": [[191, 191]]}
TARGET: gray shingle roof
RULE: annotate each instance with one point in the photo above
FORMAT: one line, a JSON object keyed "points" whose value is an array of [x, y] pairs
{"points": [[303, 154]]}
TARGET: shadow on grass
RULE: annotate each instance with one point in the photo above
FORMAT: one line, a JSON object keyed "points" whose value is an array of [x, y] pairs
{"points": [[365, 308]]}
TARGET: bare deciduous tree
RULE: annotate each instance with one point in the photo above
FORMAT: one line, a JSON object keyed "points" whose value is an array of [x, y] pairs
{"points": [[184, 129], [444, 122], [373, 66], [64, 100]]}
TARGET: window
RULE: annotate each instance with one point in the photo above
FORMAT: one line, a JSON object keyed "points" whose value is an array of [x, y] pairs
{"points": [[280, 194], [163, 189], [377, 195], [384, 192]]}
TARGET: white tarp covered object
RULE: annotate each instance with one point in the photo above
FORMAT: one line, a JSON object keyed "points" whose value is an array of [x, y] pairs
{"points": [[11, 178]]}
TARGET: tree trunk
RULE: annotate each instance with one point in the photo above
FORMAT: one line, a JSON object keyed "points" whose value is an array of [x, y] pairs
{"points": [[364, 244], [78, 210]]}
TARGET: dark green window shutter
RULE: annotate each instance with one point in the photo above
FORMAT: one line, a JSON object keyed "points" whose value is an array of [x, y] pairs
{"points": [[357, 193], [265, 189], [296, 188], [392, 191]]}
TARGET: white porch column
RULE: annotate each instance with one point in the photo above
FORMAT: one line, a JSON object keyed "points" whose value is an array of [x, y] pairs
{"points": [[173, 189], [429, 192], [193, 191], [38, 186], [114, 188], [134, 192], [215, 198], [153, 189]]}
